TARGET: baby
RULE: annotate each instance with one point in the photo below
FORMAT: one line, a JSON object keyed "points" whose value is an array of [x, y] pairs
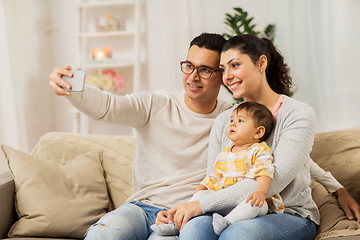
{"points": [[248, 157]]}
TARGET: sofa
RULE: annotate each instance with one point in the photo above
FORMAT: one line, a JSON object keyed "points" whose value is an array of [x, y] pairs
{"points": [[69, 181]]}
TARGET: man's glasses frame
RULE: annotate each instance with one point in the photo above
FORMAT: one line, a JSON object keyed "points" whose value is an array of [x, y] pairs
{"points": [[202, 71]]}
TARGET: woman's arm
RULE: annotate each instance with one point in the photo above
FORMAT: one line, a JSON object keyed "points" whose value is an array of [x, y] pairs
{"points": [[323, 177], [348, 204], [345, 200], [181, 213], [293, 140], [292, 143]]}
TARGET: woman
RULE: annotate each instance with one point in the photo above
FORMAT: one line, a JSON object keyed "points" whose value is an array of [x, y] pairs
{"points": [[255, 70]]}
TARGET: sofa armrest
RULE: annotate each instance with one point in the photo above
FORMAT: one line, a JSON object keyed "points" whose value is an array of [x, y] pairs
{"points": [[7, 212]]}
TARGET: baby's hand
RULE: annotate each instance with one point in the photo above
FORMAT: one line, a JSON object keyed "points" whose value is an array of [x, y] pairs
{"points": [[162, 218], [200, 188], [257, 198]]}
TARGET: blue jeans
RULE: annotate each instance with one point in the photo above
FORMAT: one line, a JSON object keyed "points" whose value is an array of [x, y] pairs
{"points": [[130, 221], [271, 226]]}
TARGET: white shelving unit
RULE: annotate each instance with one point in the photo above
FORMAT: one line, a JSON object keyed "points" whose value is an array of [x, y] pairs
{"points": [[124, 41], [124, 61]]}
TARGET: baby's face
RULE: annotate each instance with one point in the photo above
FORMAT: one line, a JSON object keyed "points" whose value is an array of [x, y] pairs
{"points": [[242, 128]]}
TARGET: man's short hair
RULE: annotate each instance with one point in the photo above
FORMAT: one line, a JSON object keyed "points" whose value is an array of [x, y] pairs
{"points": [[211, 41]]}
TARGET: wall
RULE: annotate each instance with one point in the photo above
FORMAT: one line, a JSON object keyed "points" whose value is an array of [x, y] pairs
{"points": [[63, 41], [169, 28], [318, 39], [43, 35], [28, 39]]}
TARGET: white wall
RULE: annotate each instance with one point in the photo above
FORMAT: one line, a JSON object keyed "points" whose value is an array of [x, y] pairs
{"points": [[319, 40], [28, 39], [164, 41], [43, 35], [63, 41]]}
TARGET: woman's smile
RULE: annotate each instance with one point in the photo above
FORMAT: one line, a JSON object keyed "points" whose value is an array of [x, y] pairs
{"points": [[235, 85]]}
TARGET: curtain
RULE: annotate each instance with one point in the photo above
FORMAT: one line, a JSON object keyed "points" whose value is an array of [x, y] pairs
{"points": [[325, 56], [168, 29], [26, 111], [9, 115]]}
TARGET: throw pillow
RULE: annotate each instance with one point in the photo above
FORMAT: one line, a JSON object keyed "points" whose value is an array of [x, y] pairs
{"points": [[56, 199], [333, 222], [339, 152], [118, 152]]}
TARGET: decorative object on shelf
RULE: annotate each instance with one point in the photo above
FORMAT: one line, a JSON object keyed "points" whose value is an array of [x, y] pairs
{"points": [[101, 53], [107, 22], [116, 24], [106, 80], [108, 38]]}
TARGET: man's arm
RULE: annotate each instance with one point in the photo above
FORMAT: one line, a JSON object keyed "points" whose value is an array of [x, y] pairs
{"points": [[131, 110]]}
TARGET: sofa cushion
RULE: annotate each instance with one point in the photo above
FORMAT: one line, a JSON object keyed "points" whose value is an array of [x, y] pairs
{"points": [[56, 197], [333, 222], [339, 153], [7, 212], [118, 153]]}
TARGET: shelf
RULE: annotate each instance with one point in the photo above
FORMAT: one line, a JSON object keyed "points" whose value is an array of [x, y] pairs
{"points": [[106, 34], [106, 3], [124, 41], [106, 65]]}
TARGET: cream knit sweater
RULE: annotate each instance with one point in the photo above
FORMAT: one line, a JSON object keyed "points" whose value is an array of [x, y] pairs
{"points": [[171, 140], [291, 143]]}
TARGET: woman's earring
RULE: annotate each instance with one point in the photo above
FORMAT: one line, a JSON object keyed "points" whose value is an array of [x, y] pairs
{"points": [[261, 69]]}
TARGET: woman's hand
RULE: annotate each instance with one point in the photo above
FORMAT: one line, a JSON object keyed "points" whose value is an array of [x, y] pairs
{"points": [[182, 213], [348, 204], [56, 81]]}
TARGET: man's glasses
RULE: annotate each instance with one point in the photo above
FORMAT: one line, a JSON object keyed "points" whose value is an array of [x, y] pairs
{"points": [[202, 71]]}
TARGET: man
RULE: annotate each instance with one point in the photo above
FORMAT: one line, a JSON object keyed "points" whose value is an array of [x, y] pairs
{"points": [[172, 132]]}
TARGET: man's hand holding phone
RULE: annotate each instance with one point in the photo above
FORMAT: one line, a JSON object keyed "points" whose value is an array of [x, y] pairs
{"points": [[64, 80]]}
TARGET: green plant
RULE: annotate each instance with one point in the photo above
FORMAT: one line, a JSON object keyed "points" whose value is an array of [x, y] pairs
{"points": [[240, 23]]}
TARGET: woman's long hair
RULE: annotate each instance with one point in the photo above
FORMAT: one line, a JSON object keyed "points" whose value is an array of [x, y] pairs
{"points": [[277, 71]]}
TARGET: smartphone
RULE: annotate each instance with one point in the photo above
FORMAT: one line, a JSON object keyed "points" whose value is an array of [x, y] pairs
{"points": [[77, 81]]}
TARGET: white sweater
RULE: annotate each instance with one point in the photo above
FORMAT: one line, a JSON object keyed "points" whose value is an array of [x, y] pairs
{"points": [[291, 143], [171, 140]]}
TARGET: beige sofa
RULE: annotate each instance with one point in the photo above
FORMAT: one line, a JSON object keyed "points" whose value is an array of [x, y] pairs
{"points": [[70, 180]]}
